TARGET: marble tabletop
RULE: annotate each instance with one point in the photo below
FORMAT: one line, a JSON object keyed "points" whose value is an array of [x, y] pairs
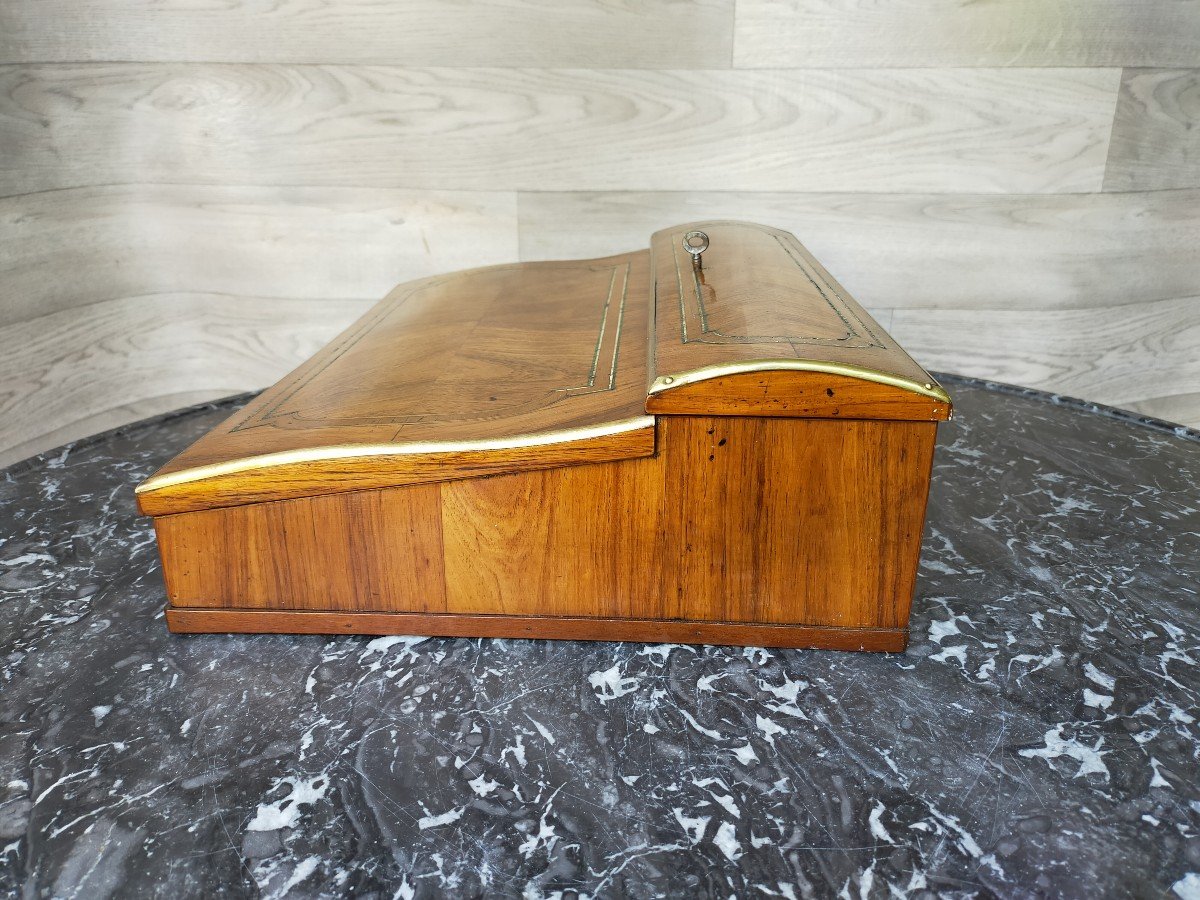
{"points": [[1038, 738]]}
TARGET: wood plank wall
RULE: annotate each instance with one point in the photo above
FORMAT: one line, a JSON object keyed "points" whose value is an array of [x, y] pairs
{"points": [[193, 197]]}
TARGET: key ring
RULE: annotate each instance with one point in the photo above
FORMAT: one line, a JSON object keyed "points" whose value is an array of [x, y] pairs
{"points": [[695, 243]]}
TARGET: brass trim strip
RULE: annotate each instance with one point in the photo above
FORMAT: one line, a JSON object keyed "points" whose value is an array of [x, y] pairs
{"points": [[929, 388], [351, 451]]}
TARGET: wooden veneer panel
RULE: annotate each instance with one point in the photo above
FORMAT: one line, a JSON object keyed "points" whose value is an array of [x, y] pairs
{"points": [[735, 520]]}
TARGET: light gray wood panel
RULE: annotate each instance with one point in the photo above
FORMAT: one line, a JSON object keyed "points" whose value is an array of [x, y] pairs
{"points": [[105, 419], [74, 372], [1183, 408], [595, 34], [1119, 355], [922, 250], [111, 361], [1156, 133], [831, 33], [61, 249], [983, 130]]}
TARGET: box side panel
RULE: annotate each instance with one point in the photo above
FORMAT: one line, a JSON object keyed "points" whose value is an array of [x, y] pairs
{"points": [[735, 520], [904, 486], [369, 550], [581, 541], [794, 520]]}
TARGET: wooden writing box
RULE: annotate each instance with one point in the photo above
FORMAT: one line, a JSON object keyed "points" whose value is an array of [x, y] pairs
{"points": [[630, 448]]}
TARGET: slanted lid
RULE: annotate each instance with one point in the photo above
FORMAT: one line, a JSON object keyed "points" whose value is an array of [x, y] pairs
{"points": [[474, 373], [539, 365], [756, 326]]}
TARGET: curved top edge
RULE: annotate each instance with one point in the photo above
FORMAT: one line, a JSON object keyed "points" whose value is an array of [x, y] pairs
{"points": [[930, 389], [333, 452]]}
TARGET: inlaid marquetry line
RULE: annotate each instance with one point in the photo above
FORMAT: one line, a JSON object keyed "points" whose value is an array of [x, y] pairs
{"points": [[276, 415], [844, 311], [590, 387], [864, 339]]}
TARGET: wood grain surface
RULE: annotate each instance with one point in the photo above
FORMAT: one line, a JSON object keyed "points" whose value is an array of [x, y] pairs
{"points": [[830, 538], [1156, 133], [593, 34], [144, 355], [721, 517], [318, 244], [369, 550], [489, 370], [1183, 407], [1139, 353], [936, 155], [74, 423], [944, 251], [740, 334], [987, 130], [833, 33]]}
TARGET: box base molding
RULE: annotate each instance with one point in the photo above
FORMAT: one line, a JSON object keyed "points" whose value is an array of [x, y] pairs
{"points": [[193, 620]]}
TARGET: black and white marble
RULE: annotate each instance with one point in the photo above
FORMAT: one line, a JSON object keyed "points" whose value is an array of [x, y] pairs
{"points": [[1039, 738]]}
